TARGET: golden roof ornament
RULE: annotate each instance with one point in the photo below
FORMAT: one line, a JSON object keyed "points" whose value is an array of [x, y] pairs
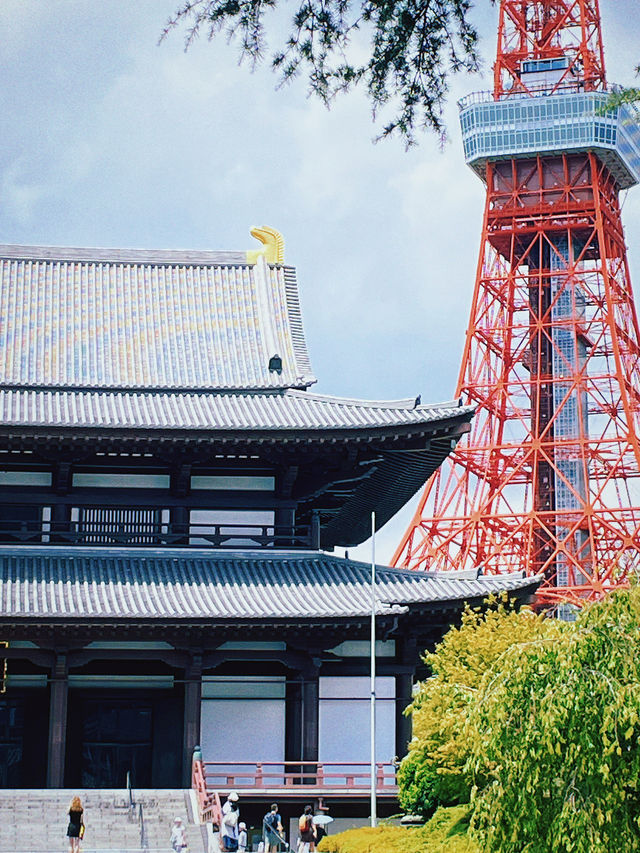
{"points": [[273, 241]]}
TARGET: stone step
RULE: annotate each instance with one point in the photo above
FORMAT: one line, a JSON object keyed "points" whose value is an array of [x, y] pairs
{"points": [[39, 818]]}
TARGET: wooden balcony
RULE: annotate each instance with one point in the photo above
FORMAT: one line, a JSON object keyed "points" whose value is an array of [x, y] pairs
{"points": [[128, 530], [293, 779]]}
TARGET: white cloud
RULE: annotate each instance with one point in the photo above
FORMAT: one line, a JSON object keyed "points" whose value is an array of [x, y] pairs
{"points": [[20, 194]]}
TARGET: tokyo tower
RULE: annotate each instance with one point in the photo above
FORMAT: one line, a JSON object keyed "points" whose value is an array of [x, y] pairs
{"points": [[548, 480]]}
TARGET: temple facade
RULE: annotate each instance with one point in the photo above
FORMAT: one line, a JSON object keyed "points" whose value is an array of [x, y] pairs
{"points": [[171, 494]]}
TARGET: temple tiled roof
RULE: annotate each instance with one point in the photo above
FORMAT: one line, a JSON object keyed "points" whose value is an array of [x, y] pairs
{"points": [[51, 583], [286, 410], [102, 346], [107, 339], [108, 318]]}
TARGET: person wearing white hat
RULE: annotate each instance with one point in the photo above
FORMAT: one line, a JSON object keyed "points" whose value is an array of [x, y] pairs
{"points": [[178, 836], [230, 819], [242, 836]]}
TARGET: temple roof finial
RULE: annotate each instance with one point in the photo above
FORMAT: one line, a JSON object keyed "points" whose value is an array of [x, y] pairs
{"points": [[273, 251]]}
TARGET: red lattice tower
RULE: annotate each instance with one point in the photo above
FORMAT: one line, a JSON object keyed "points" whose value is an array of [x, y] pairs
{"points": [[548, 479]]}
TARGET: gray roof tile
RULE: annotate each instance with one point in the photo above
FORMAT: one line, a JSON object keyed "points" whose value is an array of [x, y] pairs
{"points": [[288, 410], [98, 583], [136, 319]]}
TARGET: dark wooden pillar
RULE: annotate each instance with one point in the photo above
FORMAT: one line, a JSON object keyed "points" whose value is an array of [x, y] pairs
{"points": [[58, 696], [293, 719], [404, 691], [310, 714], [302, 705], [316, 531], [407, 660], [179, 517], [59, 518], [285, 516], [192, 709], [285, 526]]}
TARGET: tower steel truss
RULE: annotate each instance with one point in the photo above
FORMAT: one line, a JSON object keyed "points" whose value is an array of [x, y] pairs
{"points": [[549, 478]]}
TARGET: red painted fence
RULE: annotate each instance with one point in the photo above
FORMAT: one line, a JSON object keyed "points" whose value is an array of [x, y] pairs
{"points": [[289, 775], [208, 801]]}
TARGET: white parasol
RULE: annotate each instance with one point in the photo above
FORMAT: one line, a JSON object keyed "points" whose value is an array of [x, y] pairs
{"points": [[322, 819]]}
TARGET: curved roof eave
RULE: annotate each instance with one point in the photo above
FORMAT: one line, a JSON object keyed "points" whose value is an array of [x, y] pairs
{"points": [[50, 583], [172, 411]]}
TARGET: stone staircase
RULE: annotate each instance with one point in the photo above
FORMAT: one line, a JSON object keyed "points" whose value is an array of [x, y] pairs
{"points": [[35, 821]]}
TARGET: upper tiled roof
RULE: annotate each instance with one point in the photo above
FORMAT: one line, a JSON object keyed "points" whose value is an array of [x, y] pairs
{"points": [[115, 583], [286, 410], [108, 318]]}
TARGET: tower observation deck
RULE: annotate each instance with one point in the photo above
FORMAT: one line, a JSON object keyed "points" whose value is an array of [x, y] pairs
{"points": [[566, 121], [549, 479]]}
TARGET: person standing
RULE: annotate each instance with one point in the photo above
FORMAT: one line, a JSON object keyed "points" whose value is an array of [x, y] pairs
{"points": [[321, 821], [230, 820], [321, 832], [75, 830], [178, 836], [272, 829], [306, 831], [242, 837]]}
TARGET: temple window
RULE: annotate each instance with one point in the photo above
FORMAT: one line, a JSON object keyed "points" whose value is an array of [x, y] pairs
{"points": [[121, 481], [241, 527], [25, 478], [119, 525], [227, 483]]}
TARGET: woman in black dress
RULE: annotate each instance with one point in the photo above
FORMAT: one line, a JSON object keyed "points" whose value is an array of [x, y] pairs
{"points": [[75, 830]]}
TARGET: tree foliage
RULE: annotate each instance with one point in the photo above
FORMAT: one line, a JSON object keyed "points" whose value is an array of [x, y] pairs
{"points": [[624, 95], [446, 832], [413, 48], [630, 95], [557, 754], [434, 772]]}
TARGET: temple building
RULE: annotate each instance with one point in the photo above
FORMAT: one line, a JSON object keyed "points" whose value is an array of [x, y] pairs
{"points": [[171, 493]]}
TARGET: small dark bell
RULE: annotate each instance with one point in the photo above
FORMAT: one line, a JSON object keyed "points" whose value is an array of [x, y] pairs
{"points": [[275, 363]]}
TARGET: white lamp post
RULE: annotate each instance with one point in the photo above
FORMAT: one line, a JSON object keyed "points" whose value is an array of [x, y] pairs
{"points": [[374, 816]]}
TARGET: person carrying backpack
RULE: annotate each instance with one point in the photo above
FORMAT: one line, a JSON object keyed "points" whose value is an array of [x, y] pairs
{"points": [[306, 831], [272, 830]]}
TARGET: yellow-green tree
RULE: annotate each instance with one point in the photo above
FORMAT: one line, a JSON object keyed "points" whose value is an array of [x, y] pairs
{"points": [[629, 95], [556, 754], [434, 771]]}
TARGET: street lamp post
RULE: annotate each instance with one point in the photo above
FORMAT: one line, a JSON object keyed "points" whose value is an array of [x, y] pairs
{"points": [[374, 816]]}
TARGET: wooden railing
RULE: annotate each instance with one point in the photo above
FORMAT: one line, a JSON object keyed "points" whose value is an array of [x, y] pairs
{"points": [[290, 776], [208, 801], [159, 533]]}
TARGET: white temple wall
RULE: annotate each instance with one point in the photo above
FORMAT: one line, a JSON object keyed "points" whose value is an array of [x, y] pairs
{"points": [[243, 720], [344, 719]]}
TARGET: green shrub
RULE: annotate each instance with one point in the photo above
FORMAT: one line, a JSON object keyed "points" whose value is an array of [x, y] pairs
{"points": [[446, 832], [558, 751], [434, 772]]}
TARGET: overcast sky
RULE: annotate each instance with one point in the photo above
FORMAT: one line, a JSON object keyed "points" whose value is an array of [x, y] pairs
{"points": [[111, 140]]}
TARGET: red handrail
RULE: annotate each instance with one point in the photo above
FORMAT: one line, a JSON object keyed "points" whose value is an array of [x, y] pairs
{"points": [[286, 774], [208, 801], [353, 777]]}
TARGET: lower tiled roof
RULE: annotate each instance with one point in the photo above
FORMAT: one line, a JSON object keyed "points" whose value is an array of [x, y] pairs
{"points": [[211, 411], [56, 583]]}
